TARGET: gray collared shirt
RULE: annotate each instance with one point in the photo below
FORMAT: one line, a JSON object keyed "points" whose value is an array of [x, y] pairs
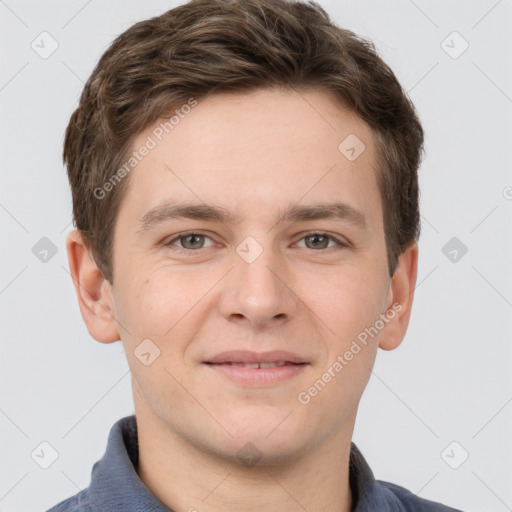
{"points": [[115, 485]]}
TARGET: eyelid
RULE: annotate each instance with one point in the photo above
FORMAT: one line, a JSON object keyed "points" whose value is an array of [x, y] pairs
{"points": [[340, 241], [184, 234]]}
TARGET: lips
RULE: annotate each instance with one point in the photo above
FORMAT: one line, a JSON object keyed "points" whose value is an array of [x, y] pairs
{"points": [[249, 359], [259, 365], [257, 369]]}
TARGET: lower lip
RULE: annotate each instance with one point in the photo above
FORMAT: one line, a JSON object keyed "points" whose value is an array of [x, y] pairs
{"points": [[258, 376]]}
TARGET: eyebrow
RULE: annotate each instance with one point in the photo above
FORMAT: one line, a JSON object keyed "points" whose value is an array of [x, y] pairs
{"points": [[168, 210]]}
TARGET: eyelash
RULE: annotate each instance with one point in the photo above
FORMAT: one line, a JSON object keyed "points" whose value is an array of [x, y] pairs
{"points": [[179, 236]]}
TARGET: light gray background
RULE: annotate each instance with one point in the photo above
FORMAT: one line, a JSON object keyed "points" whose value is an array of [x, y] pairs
{"points": [[449, 381]]}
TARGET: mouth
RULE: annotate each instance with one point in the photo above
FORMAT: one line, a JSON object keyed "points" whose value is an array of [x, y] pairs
{"points": [[246, 357], [255, 366], [253, 369]]}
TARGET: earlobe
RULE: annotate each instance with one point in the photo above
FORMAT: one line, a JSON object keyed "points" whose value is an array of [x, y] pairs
{"points": [[93, 291], [400, 298]]}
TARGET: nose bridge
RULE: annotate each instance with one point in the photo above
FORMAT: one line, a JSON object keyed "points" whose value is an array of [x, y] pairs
{"points": [[257, 289], [257, 268]]}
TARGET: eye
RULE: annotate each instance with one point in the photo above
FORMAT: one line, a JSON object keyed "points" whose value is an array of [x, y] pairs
{"points": [[190, 241], [319, 240]]}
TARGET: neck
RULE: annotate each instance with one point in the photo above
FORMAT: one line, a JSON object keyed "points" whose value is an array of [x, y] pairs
{"points": [[185, 478]]}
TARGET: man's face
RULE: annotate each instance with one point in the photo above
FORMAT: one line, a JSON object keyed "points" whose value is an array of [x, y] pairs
{"points": [[305, 286]]}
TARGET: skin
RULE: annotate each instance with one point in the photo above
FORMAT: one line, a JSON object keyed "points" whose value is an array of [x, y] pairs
{"points": [[254, 153]]}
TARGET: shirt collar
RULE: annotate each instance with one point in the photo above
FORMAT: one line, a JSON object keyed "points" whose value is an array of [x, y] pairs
{"points": [[115, 484], [115, 481]]}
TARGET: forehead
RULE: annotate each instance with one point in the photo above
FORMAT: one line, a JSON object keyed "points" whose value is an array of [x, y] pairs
{"points": [[262, 149]]}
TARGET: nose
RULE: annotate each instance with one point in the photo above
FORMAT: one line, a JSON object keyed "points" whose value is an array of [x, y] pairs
{"points": [[258, 292]]}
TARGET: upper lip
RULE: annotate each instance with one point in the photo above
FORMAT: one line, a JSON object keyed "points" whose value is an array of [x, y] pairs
{"points": [[246, 356]]}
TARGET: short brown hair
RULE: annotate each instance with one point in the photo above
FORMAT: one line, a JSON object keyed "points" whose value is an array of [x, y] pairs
{"points": [[207, 46]]}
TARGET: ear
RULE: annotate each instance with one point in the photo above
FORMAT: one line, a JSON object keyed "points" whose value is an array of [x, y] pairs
{"points": [[94, 292], [400, 297]]}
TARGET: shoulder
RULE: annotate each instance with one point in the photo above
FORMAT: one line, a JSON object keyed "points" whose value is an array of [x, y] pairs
{"points": [[78, 503], [410, 502]]}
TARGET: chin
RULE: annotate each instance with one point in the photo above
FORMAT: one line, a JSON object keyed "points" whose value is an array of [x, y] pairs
{"points": [[252, 451], [271, 439]]}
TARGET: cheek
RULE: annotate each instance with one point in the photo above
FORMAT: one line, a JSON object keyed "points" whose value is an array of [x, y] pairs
{"points": [[165, 307], [347, 300], [141, 308], [351, 307], [331, 398]]}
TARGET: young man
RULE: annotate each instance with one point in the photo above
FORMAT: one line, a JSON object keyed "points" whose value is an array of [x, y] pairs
{"points": [[244, 181]]}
